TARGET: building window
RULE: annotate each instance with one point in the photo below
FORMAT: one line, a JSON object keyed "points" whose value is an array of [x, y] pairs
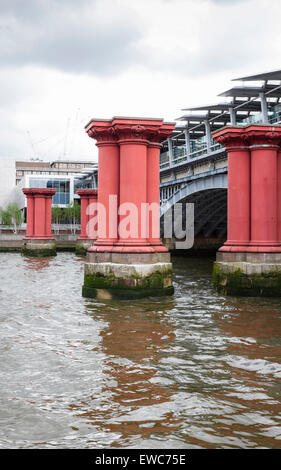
{"points": [[62, 187]]}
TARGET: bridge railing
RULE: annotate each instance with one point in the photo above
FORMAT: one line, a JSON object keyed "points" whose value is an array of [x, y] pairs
{"points": [[194, 156]]}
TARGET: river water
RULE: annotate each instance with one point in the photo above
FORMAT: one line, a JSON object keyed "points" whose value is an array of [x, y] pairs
{"points": [[195, 370]]}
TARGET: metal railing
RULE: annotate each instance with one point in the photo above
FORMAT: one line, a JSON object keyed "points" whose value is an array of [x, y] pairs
{"points": [[194, 156]]}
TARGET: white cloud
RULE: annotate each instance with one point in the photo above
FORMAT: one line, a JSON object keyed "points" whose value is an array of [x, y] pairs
{"points": [[120, 57], [94, 36]]}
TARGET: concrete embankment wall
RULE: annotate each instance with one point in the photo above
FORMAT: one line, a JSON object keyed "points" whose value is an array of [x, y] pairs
{"points": [[65, 240]]}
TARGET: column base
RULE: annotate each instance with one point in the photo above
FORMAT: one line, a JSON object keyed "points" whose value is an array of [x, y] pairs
{"points": [[127, 275], [39, 247], [82, 246], [248, 274], [115, 248], [251, 247]]}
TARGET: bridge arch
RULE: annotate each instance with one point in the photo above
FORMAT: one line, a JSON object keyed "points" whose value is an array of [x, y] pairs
{"points": [[209, 195]]}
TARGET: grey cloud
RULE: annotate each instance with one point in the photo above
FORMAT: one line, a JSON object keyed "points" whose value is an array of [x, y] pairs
{"points": [[31, 9], [228, 2], [68, 35]]}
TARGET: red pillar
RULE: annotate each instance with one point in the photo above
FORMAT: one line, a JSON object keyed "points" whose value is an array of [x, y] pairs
{"points": [[153, 184], [29, 215], [279, 193], [39, 203], [133, 181], [153, 196], [128, 172], [108, 177], [87, 197], [238, 195], [48, 215], [254, 184], [39, 216], [264, 205]]}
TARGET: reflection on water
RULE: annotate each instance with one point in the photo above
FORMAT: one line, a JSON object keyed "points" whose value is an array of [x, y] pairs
{"points": [[36, 264], [195, 370]]}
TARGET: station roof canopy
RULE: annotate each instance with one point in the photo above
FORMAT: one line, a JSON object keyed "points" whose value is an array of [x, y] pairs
{"points": [[245, 100], [213, 109], [210, 107], [261, 76], [217, 115], [272, 91]]}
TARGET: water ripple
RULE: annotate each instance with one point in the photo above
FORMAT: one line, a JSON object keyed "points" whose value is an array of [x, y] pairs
{"points": [[195, 370]]}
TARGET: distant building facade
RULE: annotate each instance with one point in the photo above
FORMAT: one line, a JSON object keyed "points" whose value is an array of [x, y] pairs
{"points": [[66, 176]]}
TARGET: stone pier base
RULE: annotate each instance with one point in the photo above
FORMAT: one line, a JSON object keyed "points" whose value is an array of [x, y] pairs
{"points": [[248, 274], [82, 246], [127, 275], [39, 247]]}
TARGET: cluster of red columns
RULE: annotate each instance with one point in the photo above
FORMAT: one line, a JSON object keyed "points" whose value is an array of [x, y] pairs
{"points": [[129, 159], [39, 213], [254, 188], [88, 199]]}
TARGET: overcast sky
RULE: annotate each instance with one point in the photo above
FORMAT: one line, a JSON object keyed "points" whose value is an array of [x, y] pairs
{"points": [[66, 61]]}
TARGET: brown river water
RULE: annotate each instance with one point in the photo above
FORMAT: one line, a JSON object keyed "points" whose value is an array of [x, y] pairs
{"points": [[195, 370]]}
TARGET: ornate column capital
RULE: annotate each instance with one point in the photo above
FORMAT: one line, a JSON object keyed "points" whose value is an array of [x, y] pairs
{"points": [[141, 130], [251, 136], [157, 136], [39, 192], [101, 131], [87, 193], [131, 132], [232, 138], [263, 136]]}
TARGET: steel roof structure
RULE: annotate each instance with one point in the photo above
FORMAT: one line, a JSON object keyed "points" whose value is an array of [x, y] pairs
{"points": [[244, 101]]}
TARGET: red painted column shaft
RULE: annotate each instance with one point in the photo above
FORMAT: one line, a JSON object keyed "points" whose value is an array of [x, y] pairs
{"points": [[92, 228], [238, 199], [153, 183], [133, 187], [279, 193], [264, 145], [263, 196], [84, 216], [87, 197], [48, 216], [238, 195], [30, 216], [108, 177], [108, 194], [39, 216], [153, 196]]}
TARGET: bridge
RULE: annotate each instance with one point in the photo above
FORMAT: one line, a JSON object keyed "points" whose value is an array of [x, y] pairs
{"points": [[233, 175], [194, 168]]}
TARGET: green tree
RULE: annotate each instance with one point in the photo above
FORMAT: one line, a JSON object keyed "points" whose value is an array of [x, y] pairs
{"points": [[5, 217], [57, 215], [72, 215], [12, 216]]}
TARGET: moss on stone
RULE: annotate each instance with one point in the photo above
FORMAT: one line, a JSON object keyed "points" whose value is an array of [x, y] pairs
{"points": [[101, 281], [239, 283], [68, 248], [80, 250], [157, 283], [10, 249], [37, 253]]}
